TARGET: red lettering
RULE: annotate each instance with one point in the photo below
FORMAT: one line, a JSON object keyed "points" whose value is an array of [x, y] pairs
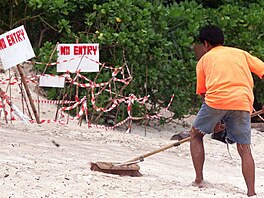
{"points": [[90, 48], [85, 50], [94, 49], [22, 33], [18, 36], [10, 39], [2, 44], [65, 50], [79, 50], [76, 50], [15, 37], [82, 50]]}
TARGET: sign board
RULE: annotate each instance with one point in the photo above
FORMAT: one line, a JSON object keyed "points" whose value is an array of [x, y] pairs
{"points": [[78, 57], [51, 81], [15, 47]]}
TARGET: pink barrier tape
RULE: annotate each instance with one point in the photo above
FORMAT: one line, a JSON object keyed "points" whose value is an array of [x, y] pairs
{"points": [[103, 86]]}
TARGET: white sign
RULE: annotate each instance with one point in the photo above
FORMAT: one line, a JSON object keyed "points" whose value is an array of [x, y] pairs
{"points": [[78, 57], [15, 47], [51, 81]]}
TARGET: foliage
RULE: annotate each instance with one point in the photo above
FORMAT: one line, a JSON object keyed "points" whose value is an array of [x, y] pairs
{"points": [[154, 37], [244, 29]]}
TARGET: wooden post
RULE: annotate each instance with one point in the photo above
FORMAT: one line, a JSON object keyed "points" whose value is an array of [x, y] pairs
{"points": [[2, 95], [4, 109], [23, 80]]}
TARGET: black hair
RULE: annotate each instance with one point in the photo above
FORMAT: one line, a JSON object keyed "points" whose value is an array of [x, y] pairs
{"points": [[212, 34]]}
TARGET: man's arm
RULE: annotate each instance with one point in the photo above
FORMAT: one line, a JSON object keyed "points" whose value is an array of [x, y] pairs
{"points": [[203, 96], [256, 65]]}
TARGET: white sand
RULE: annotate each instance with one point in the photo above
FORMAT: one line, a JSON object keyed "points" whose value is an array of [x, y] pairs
{"points": [[33, 166]]}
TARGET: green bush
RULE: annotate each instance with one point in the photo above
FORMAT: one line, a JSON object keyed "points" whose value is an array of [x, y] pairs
{"points": [[155, 38]]}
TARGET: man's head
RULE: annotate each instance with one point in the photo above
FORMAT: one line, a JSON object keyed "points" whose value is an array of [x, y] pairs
{"points": [[212, 34]]}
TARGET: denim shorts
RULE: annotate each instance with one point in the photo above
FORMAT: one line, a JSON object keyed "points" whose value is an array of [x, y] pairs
{"points": [[237, 123]]}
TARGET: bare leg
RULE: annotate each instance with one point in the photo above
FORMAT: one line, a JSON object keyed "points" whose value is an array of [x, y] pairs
{"points": [[248, 167], [197, 152]]}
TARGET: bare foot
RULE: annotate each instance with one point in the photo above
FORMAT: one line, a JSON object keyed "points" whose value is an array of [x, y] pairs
{"points": [[202, 184], [252, 196]]}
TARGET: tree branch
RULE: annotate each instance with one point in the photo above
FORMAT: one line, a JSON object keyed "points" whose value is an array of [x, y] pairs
{"points": [[48, 24], [27, 18]]}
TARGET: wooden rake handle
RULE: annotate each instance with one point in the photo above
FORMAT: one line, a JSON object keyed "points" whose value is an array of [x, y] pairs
{"points": [[256, 113], [141, 158]]}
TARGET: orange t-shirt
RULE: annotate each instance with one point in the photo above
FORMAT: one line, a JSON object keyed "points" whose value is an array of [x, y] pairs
{"points": [[224, 75]]}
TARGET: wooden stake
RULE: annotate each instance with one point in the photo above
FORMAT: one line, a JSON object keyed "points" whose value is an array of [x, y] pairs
{"points": [[44, 71], [23, 80], [10, 96], [2, 95], [23, 99], [4, 109]]}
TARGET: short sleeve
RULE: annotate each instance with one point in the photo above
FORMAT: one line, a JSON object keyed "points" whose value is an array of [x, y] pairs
{"points": [[256, 65], [200, 80]]}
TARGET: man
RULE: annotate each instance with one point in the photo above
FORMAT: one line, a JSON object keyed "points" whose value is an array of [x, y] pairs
{"points": [[225, 82]]}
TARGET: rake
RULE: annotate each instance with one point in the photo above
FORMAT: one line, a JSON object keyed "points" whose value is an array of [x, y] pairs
{"points": [[130, 167]]}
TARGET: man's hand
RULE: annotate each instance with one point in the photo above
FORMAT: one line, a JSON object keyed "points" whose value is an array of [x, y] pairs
{"points": [[219, 127]]}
